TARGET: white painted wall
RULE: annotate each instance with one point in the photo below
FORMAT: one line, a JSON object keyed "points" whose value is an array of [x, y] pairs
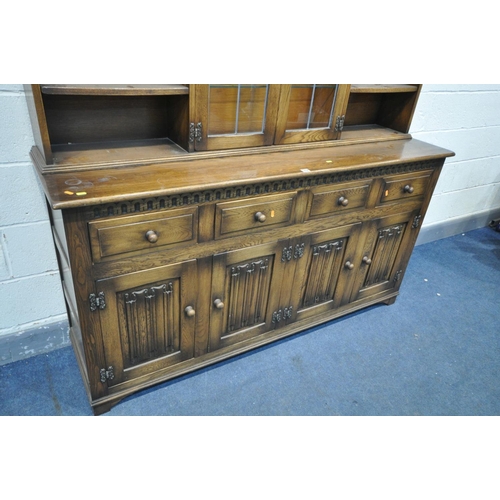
{"points": [[30, 291], [463, 118]]}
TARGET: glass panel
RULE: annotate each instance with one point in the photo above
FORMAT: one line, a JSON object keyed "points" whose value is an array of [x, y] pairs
{"points": [[237, 109], [252, 112], [311, 106]]}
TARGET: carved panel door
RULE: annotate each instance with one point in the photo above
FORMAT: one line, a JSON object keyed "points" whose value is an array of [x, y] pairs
{"points": [[148, 320], [387, 249], [246, 292], [325, 270]]}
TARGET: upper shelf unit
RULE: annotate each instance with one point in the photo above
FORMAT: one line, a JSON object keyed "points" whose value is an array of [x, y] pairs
{"points": [[84, 125], [372, 106]]}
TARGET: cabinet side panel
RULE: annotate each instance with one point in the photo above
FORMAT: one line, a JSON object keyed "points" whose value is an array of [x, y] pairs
{"points": [[396, 111], [77, 240], [38, 120]]}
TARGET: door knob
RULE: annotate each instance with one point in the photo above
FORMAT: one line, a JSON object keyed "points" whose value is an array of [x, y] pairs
{"points": [[190, 312], [349, 265], [152, 236], [218, 304], [260, 217]]}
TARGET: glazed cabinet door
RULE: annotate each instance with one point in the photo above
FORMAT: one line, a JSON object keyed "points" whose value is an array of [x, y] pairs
{"points": [[325, 270], [311, 112], [148, 320], [386, 251], [234, 116], [246, 289]]}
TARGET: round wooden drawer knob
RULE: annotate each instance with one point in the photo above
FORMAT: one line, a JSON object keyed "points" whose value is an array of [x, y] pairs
{"points": [[408, 189], [343, 201], [190, 312], [218, 304], [349, 265], [152, 236], [260, 217]]}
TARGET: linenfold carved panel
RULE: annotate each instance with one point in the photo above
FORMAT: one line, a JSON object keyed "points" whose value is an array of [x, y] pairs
{"points": [[324, 267], [149, 322], [248, 291], [384, 254]]}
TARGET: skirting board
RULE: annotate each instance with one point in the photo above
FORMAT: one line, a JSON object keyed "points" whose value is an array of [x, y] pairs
{"points": [[458, 225], [25, 344]]}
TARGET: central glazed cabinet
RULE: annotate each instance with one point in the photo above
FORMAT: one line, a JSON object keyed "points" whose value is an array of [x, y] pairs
{"points": [[196, 222]]}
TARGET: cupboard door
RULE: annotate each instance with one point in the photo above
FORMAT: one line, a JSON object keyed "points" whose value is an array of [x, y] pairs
{"points": [[234, 115], [325, 270], [388, 245], [148, 320], [246, 291], [311, 112]]}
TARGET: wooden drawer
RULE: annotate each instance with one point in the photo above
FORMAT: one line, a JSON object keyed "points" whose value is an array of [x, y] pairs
{"points": [[401, 187], [143, 233], [329, 200], [254, 214]]}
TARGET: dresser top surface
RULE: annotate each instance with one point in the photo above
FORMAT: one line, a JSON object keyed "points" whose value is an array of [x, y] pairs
{"points": [[114, 184]]}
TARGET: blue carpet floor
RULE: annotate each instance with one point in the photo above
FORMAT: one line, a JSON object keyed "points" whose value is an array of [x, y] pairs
{"points": [[436, 351]]}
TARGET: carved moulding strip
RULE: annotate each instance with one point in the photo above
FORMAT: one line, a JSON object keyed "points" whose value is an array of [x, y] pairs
{"points": [[234, 192]]}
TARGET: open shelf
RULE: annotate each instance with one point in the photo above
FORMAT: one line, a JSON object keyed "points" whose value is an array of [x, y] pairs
{"points": [[390, 106], [114, 152], [103, 123], [382, 88], [370, 133], [114, 89]]}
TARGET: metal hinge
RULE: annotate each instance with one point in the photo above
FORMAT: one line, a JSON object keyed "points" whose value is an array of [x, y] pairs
{"points": [[282, 314], [299, 251], [289, 252], [195, 132], [339, 124], [97, 302], [108, 374], [277, 315], [416, 221], [286, 255], [287, 312]]}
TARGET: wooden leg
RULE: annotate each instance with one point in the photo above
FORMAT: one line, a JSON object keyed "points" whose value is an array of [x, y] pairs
{"points": [[390, 301], [100, 409]]}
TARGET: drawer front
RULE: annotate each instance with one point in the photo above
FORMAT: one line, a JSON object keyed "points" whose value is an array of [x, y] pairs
{"points": [[400, 187], [329, 200], [145, 232], [254, 214]]}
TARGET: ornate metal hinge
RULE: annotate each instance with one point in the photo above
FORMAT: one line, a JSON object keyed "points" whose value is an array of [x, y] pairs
{"points": [[287, 312], [106, 375], [195, 132], [277, 315], [282, 314], [416, 221], [299, 251], [97, 302], [339, 124], [287, 254]]}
